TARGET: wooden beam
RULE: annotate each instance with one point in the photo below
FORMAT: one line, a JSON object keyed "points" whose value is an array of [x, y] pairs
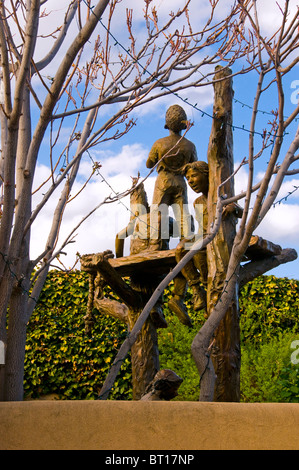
{"points": [[226, 354], [259, 248], [156, 262], [97, 263], [255, 268], [160, 262]]}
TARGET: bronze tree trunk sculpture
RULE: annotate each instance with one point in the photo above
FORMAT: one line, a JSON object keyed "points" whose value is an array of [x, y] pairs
{"points": [[226, 347]]}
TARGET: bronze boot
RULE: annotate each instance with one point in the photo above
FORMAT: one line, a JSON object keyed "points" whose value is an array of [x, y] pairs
{"points": [[177, 306]]}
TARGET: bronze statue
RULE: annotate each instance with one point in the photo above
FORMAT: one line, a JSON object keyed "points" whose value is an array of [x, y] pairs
{"points": [[196, 271], [139, 226], [171, 154], [139, 212], [139, 231], [163, 387]]}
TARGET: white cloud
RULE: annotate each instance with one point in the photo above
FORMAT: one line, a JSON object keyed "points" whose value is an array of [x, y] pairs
{"points": [[271, 14], [281, 225], [129, 161], [241, 180], [98, 232]]}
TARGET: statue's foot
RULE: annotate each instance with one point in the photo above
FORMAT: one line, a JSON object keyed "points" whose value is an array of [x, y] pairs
{"points": [[154, 246], [158, 318], [199, 299], [177, 306]]}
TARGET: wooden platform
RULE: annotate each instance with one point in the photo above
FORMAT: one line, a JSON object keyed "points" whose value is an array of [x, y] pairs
{"points": [[260, 248], [160, 262]]}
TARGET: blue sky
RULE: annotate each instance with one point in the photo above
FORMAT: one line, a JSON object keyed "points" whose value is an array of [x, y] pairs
{"points": [[123, 158]]}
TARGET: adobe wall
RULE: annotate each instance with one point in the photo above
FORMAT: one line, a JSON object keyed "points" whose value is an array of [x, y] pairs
{"points": [[118, 425]]}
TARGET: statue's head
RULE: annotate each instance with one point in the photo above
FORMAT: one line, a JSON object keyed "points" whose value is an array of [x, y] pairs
{"points": [[197, 175], [175, 119]]}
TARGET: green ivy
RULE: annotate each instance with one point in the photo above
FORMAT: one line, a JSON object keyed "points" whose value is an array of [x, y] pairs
{"points": [[61, 359], [268, 306]]}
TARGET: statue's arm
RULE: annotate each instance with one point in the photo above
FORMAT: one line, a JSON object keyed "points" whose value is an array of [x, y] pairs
{"points": [[194, 155], [153, 157]]}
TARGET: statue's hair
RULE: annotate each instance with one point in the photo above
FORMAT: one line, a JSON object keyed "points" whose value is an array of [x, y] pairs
{"points": [[201, 166], [176, 118]]}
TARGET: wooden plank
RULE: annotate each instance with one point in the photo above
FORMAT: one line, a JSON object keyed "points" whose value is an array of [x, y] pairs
{"points": [[155, 262], [261, 248], [160, 262], [150, 261]]}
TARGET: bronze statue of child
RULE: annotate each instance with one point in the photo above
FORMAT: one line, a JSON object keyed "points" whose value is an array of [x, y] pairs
{"points": [[196, 271], [138, 229], [171, 154]]}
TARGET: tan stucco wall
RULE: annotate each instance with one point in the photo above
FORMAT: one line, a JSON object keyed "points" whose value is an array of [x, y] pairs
{"points": [[117, 425]]}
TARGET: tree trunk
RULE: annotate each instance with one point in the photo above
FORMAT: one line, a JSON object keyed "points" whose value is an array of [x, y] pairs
{"points": [[144, 352], [144, 356], [16, 341], [226, 349]]}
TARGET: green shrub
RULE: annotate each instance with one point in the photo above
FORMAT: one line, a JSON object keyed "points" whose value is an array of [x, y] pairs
{"points": [[267, 373], [268, 306], [269, 323], [60, 357], [289, 383]]}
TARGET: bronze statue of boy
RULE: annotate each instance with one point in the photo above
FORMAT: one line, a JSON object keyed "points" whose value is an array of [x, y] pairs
{"points": [[171, 154], [196, 271]]}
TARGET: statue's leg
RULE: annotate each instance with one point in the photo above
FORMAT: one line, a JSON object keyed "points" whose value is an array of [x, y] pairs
{"points": [[195, 273], [159, 210], [157, 314], [176, 302], [200, 261]]}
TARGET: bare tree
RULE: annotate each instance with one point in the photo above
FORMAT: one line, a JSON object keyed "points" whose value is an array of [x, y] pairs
{"points": [[85, 79]]}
